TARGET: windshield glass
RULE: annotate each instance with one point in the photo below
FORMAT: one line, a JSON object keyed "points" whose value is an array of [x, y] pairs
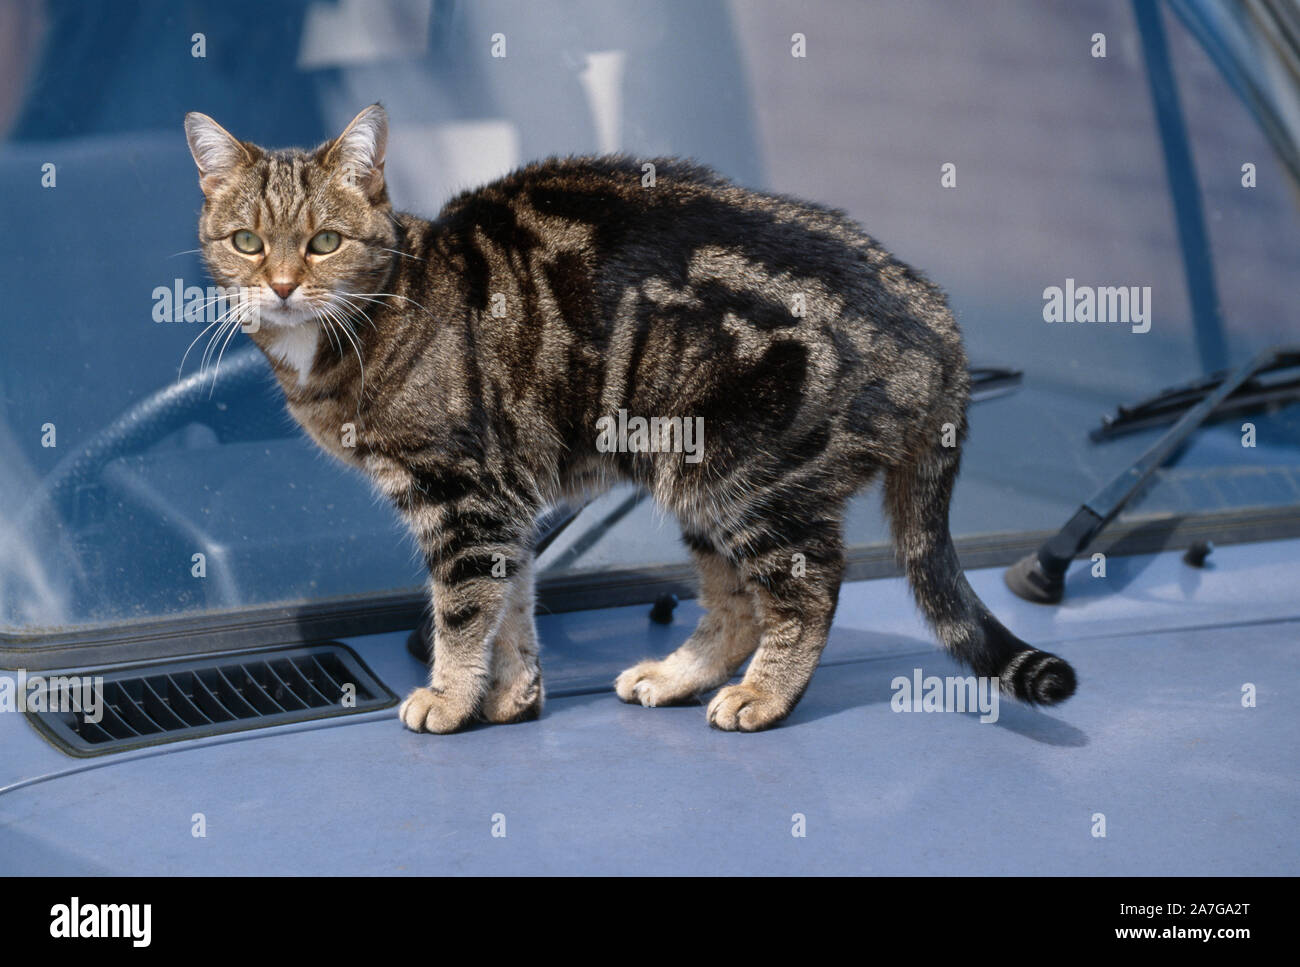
{"points": [[991, 146]]}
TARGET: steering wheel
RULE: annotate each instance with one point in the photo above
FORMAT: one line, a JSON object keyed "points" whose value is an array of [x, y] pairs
{"points": [[241, 401], [196, 399]]}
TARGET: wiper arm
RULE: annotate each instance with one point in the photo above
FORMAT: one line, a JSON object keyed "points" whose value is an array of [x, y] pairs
{"points": [[1040, 577], [987, 382], [1168, 404]]}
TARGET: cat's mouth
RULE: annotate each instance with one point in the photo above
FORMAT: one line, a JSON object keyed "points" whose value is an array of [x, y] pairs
{"points": [[277, 312]]}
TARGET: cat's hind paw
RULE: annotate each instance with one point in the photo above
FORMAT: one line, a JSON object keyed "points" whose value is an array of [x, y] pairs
{"points": [[652, 683], [744, 708]]}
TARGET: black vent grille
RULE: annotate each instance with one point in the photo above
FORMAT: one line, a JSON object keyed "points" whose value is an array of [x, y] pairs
{"points": [[171, 701]]}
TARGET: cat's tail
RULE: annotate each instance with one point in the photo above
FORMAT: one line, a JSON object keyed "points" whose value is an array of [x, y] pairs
{"points": [[917, 496]]}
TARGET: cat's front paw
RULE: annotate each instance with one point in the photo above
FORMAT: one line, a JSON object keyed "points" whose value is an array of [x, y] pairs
{"points": [[744, 708], [518, 701], [426, 710], [654, 683]]}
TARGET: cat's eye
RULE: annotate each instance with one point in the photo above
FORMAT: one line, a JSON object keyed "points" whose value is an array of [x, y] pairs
{"points": [[322, 243], [246, 242]]}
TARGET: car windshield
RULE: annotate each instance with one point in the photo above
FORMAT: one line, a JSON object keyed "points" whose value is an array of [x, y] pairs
{"points": [[1010, 151]]}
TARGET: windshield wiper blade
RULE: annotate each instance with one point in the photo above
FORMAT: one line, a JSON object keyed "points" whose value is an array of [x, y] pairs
{"points": [[1167, 405], [987, 382], [1040, 577]]}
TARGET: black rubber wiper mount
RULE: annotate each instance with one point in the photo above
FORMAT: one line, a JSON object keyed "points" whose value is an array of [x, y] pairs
{"points": [[1040, 577]]}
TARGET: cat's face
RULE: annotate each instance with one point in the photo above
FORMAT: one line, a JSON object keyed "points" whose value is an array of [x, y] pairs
{"points": [[303, 234]]}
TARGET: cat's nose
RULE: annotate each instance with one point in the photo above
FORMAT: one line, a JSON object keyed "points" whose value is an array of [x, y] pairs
{"points": [[283, 289]]}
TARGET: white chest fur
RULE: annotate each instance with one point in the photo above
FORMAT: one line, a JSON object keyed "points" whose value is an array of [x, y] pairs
{"points": [[296, 348]]}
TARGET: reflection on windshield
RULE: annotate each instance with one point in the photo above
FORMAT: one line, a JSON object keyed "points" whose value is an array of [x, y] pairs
{"points": [[984, 145]]}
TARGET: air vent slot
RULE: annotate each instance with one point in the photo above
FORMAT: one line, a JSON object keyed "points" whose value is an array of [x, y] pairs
{"points": [[112, 710]]}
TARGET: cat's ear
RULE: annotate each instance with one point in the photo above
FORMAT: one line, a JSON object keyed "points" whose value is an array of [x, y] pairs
{"points": [[215, 150], [359, 151]]}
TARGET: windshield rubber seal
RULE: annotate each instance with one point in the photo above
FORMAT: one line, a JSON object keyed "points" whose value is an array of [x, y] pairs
{"points": [[401, 610]]}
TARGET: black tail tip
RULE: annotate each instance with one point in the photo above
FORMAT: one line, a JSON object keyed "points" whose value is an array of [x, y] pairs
{"points": [[1039, 678]]}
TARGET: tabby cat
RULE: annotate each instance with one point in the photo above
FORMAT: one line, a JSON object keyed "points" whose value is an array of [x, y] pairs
{"points": [[466, 365]]}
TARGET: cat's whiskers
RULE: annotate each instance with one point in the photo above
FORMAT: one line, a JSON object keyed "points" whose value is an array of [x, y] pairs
{"points": [[344, 297], [213, 341], [389, 295], [220, 318], [181, 369], [238, 318], [355, 308], [328, 329], [227, 319], [332, 312], [403, 254]]}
